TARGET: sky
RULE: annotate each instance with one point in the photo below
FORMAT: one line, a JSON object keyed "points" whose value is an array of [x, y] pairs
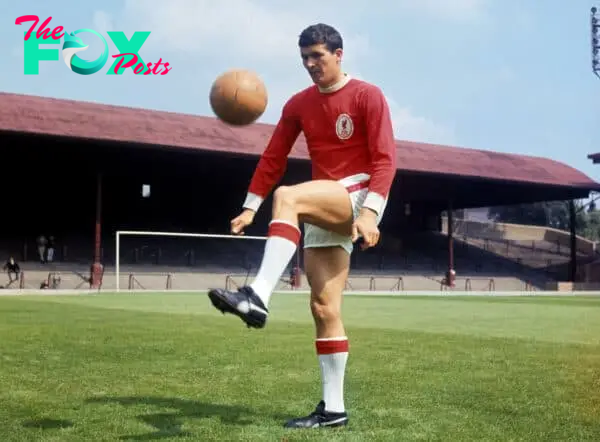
{"points": [[510, 76]]}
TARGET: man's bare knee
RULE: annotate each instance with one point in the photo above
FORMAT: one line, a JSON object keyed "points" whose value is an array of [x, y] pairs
{"points": [[293, 198], [284, 195], [325, 312], [286, 201]]}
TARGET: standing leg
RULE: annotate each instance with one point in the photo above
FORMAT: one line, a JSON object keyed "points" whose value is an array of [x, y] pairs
{"points": [[327, 270], [327, 265]]}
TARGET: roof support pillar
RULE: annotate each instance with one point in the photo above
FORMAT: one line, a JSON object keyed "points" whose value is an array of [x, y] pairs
{"points": [[450, 275], [97, 269], [573, 242]]}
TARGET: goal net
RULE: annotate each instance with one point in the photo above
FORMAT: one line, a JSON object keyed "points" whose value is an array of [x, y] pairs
{"points": [[157, 261]]}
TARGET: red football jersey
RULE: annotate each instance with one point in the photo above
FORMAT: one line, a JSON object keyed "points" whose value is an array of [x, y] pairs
{"points": [[348, 130]]}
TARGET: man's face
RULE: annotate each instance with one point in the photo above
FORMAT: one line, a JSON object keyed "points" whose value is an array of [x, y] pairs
{"points": [[322, 66]]}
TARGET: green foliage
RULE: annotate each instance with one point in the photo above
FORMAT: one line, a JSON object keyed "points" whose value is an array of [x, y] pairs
{"points": [[551, 214], [588, 225]]}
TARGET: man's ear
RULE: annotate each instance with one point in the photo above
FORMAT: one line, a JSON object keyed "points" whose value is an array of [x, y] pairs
{"points": [[338, 54]]}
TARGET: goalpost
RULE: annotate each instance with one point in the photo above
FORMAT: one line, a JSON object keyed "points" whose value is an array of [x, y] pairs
{"points": [[185, 245]]}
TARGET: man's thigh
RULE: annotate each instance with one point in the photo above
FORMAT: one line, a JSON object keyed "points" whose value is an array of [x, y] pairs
{"points": [[327, 270], [317, 236], [324, 203]]}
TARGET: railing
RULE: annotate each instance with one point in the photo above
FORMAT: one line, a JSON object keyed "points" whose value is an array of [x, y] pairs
{"points": [[490, 286], [398, 286], [20, 280], [135, 284], [133, 281], [230, 282]]}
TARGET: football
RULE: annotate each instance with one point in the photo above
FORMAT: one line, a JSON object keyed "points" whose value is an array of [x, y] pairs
{"points": [[238, 97]]}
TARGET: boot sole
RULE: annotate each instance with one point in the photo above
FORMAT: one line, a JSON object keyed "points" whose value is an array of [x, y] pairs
{"points": [[221, 304]]}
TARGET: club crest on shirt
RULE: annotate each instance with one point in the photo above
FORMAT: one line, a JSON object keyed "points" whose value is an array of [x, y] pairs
{"points": [[344, 127]]}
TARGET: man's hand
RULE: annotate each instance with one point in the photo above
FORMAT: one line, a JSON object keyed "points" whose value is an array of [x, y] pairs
{"points": [[243, 220], [365, 225]]}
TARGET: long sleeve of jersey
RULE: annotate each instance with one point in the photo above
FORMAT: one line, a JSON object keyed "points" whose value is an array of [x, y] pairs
{"points": [[382, 147], [273, 162]]}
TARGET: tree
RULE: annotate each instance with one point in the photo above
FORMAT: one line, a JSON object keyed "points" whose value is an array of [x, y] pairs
{"points": [[588, 224], [552, 214], [548, 214]]}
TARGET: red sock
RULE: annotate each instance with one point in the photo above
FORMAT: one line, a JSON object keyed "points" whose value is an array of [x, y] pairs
{"points": [[333, 355], [283, 239]]}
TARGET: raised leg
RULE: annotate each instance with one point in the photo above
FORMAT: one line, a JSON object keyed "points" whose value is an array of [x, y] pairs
{"points": [[322, 203]]}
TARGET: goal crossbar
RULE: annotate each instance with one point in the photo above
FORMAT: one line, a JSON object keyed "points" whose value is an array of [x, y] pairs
{"points": [[172, 234]]}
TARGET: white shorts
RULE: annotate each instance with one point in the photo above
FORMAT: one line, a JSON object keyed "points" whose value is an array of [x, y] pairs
{"points": [[317, 237]]}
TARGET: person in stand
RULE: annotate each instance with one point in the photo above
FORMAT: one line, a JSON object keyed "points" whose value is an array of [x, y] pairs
{"points": [[51, 247], [12, 268], [42, 242]]}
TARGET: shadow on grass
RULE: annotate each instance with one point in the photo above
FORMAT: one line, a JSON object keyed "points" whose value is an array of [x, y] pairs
{"points": [[47, 424], [168, 424]]}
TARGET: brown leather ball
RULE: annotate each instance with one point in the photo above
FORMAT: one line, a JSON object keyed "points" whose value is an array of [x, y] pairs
{"points": [[238, 97]]}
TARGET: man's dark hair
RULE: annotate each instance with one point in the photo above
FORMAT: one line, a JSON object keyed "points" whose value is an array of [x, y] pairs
{"points": [[321, 34]]}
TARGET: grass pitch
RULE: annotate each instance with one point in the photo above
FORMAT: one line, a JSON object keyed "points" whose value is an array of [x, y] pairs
{"points": [[168, 367]]}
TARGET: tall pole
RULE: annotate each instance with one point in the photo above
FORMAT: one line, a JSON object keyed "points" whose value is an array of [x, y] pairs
{"points": [[450, 276], [595, 40], [573, 241], [96, 270]]}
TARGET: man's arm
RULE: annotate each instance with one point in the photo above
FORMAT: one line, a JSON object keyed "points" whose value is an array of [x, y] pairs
{"points": [[382, 146], [273, 162]]}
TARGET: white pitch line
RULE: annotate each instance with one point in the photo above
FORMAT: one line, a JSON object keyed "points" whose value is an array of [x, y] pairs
{"points": [[366, 293]]}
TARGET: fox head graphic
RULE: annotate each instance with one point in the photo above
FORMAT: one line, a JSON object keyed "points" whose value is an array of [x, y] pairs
{"points": [[71, 46]]}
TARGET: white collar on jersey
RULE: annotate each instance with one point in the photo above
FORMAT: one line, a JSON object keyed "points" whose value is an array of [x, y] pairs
{"points": [[337, 86]]}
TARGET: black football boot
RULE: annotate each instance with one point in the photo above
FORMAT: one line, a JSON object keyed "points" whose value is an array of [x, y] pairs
{"points": [[319, 418], [244, 303]]}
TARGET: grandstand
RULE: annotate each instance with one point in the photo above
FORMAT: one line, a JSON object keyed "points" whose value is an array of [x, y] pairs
{"points": [[60, 155]]}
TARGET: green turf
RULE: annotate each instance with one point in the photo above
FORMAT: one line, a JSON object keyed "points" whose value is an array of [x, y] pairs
{"points": [[168, 367]]}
